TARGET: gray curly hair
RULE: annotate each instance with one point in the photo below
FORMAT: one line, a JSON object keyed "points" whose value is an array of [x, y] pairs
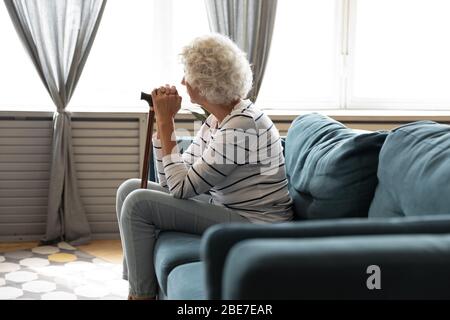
{"points": [[218, 68]]}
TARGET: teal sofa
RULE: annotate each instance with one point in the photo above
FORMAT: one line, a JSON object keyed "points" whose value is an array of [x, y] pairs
{"points": [[362, 201]]}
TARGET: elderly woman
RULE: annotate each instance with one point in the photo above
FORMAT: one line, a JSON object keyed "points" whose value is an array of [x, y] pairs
{"points": [[232, 172]]}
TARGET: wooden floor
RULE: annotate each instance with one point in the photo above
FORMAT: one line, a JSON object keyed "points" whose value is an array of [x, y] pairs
{"points": [[109, 250], [8, 247]]}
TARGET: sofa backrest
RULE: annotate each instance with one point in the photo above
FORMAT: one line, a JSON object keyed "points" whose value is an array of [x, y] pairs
{"points": [[414, 172], [331, 169]]}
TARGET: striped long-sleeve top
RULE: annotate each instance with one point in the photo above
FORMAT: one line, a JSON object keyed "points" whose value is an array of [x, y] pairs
{"points": [[239, 161]]}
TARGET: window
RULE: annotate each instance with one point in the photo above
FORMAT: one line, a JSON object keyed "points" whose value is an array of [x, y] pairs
{"points": [[20, 85], [136, 49], [303, 60], [401, 54], [325, 54], [359, 54]]}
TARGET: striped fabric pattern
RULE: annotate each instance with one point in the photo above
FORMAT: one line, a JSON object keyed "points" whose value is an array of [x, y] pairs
{"points": [[239, 162]]}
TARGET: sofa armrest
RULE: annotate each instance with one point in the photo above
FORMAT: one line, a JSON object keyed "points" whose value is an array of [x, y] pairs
{"points": [[357, 267], [219, 239]]}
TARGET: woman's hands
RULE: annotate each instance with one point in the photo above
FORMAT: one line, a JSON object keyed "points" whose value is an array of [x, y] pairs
{"points": [[166, 103]]}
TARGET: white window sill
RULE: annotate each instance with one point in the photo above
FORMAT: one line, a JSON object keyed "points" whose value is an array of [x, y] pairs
{"points": [[354, 115], [360, 115]]}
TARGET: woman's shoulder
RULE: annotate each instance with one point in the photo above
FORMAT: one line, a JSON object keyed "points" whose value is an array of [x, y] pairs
{"points": [[252, 118], [239, 122], [243, 117]]}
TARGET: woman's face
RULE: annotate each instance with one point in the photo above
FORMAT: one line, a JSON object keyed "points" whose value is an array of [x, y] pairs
{"points": [[194, 93]]}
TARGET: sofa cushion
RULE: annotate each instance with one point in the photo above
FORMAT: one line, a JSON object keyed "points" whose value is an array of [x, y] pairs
{"points": [[414, 172], [331, 169], [171, 250], [187, 282]]}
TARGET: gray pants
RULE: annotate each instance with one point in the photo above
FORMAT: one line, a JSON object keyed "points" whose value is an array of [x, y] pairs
{"points": [[142, 214]]}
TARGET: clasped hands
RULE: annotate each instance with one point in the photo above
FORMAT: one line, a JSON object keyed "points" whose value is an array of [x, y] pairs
{"points": [[166, 103]]}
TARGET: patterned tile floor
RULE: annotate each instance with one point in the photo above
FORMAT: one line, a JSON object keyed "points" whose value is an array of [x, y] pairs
{"points": [[59, 273]]}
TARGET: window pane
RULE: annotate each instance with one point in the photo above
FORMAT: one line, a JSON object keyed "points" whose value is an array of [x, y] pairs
{"points": [[20, 85], [136, 49], [402, 50], [120, 63], [189, 21], [301, 70]]}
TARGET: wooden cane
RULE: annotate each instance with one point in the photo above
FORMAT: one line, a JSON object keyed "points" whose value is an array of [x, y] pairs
{"points": [[148, 155]]}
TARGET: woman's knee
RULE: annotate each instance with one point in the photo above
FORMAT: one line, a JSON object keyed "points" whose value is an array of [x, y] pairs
{"points": [[127, 187], [139, 205], [123, 191], [130, 185], [134, 203]]}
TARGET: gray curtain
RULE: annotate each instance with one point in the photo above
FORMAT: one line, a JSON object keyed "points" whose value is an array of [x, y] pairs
{"points": [[58, 36], [249, 23]]}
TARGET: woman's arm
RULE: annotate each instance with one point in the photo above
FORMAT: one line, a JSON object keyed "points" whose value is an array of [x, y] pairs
{"points": [[166, 102], [215, 164], [208, 171], [189, 156], [163, 97], [157, 151]]}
